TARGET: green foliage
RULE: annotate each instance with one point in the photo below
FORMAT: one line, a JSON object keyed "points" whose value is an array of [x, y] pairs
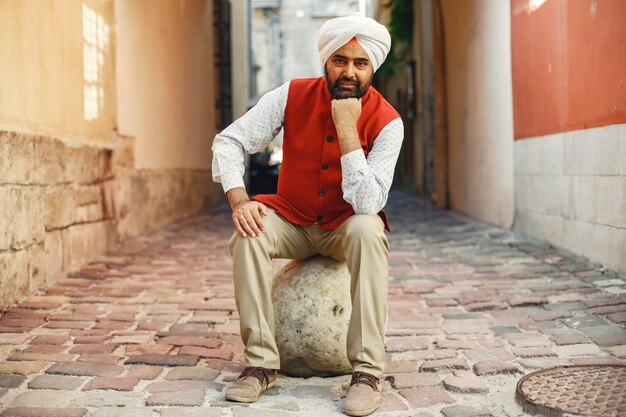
{"points": [[401, 31]]}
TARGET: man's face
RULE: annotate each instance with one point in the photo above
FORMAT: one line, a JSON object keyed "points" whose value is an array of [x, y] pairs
{"points": [[349, 72]]}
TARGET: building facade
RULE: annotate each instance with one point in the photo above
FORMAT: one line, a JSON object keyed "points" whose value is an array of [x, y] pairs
{"points": [[107, 114], [515, 114]]}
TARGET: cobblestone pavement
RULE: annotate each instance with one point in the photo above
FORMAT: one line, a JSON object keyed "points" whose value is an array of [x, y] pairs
{"points": [[152, 330]]}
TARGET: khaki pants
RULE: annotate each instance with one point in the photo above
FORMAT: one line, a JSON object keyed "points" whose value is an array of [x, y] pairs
{"points": [[360, 241]]}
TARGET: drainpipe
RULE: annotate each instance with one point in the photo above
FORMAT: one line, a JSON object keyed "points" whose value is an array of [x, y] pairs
{"points": [[278, 56]]}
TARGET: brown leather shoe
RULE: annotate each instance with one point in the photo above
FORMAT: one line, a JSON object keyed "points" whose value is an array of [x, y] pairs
{"points": [[252, 382], [364, 395]]}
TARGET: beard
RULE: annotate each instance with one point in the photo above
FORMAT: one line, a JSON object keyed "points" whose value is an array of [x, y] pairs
{"points": [[353, 90]]}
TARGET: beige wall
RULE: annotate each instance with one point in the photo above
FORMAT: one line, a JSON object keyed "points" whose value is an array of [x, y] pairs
{"points": [[165, 73], [57, 74], [480, 118], [71, 186], [570, 189]]}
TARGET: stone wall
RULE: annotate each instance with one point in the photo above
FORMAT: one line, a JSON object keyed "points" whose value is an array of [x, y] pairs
{"points": [[570, 189], [64, 204]]}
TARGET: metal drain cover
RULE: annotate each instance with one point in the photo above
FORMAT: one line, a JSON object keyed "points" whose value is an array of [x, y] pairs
{"points": [[590, 390]]}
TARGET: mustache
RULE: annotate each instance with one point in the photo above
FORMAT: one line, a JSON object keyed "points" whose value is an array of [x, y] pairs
{"points": [[352, 81]]}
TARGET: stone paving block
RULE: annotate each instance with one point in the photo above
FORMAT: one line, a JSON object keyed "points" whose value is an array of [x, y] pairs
{"points": [[44, 349], [444, 364], [426, 396], [418, 355], [144, 372], [476, 355], [110, 359], [85, 369], [617, 317], [137, 339], [584, 321], [112, 325], [80, 340], [542, 363], [257, 412], [601, 302], [618, 351], [156, 349], [457, 344], [206, 353], [416, 379], [504, 330], [66, 383], [549, 315], [163, 360], [41, 357], [189, 373], [400, 344], [187, 398], [13, 338], [486, 306], [73, 317], [285, 406], [569, 339], [494, 367], [606, 336], [603, 360], [191, 341], [40, 399], [22, 367], [464, 384], [466, 411], [612, 309], [395, 367], [532, 352], [587, 349], [43, 412], [181, 385], [530, 341], [191, 412], [11, 380], [112, 383], [67, 324], [94, 348], [50, 340], [309, 391], [189, 329], [523, 301], [98, 399], [123, 412]]}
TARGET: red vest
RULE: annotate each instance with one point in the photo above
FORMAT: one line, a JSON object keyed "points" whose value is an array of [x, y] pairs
{"points": [[309, 184]]}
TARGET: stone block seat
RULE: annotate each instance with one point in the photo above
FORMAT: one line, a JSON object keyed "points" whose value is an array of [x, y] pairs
{"points": [[312, 309]]}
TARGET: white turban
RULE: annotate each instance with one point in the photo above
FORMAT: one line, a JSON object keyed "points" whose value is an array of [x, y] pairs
{"points": [[371, 35]]}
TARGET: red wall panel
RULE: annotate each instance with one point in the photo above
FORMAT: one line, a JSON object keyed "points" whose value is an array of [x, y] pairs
{"points": [[568, 64]]}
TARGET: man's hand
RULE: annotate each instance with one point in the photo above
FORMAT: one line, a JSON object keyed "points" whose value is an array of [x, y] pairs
{"points": [[246, 214], [346, 113]]}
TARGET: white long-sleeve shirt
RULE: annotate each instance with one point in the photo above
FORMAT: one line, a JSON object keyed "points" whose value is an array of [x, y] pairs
{"points": [[365, 181]]}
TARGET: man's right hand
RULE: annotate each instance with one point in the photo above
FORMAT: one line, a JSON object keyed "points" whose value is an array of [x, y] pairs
{"points": [[247, 215]]}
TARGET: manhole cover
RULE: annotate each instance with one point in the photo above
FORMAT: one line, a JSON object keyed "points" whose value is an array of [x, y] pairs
{"points": [[590, 390]]}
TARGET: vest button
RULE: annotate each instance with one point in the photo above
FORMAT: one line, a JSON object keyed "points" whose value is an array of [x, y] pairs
{"points": [[324, 167], [322, 192], [319, 218], [329, 138]]}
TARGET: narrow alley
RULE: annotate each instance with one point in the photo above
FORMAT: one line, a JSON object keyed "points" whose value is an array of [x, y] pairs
{"points": [[151, 329]]}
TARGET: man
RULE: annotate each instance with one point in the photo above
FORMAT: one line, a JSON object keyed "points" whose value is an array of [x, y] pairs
{"points": [[341, 143]]}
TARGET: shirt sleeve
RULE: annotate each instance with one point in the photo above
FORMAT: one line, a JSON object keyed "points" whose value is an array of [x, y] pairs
{"points": [[250, 134], [366, 181]]}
